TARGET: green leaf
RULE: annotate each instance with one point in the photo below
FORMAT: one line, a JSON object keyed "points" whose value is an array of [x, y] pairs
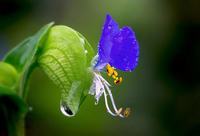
{"points": [[66, 58], [14, 75], [24, 55], [12, 110]]}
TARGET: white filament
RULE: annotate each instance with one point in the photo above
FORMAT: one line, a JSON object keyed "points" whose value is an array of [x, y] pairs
{"points": [[101, 86]]}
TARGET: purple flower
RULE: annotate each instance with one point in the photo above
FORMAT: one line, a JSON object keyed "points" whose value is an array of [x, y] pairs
{"points": [[117, 49]]}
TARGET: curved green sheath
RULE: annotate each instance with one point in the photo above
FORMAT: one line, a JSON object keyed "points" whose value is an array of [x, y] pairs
{"points": [[63, 54], [66, 58]]}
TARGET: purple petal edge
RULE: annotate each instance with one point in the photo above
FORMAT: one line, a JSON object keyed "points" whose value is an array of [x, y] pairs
{"points": [[109, 30]]}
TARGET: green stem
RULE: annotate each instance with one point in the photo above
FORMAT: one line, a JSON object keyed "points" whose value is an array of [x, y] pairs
{"points": [[20, 126]]}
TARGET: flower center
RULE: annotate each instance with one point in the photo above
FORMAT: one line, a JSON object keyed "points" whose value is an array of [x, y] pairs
{"points": [[102, 87]]}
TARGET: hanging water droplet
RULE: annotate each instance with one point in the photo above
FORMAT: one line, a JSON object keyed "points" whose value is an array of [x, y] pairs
{"points": [[65, 109], [86, 51]]}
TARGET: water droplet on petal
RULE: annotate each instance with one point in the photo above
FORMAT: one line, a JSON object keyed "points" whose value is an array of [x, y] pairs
{"points": [[119, 39], [109, 27], [66, 110], [125, 59], [126, 69]]}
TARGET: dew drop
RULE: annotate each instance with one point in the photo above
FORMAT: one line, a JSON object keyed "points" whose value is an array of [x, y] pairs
{"points": [[125, 59], [86, 51], [30, 108], [119, 39], [126, 69], [82, 41], [109, 27], [66, 110]]}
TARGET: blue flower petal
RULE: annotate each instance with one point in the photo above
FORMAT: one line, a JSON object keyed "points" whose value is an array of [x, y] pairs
{"points": [[109, 30], [125, 50], [117, 47]]}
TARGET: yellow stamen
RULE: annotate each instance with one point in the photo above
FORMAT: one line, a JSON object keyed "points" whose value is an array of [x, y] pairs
{"points": [[127, 112], [115, 73], [118, 81], [114, 77], [110, 70]]}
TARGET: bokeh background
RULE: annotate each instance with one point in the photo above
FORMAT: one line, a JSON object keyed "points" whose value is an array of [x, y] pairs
{"points": [[163, 91]]}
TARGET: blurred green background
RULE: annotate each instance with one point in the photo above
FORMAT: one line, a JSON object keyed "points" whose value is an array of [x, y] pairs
{"points": [[164, 90]]}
